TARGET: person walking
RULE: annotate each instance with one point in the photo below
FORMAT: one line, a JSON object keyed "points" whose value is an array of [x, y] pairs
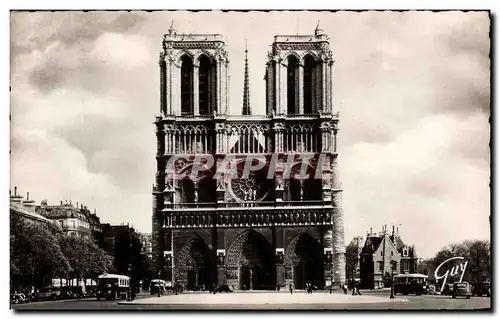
{"points": [[356, 287], [291, 288], [344, 287]]}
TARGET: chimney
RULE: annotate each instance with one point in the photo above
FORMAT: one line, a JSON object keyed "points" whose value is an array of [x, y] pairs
{"points": [[77, 205], [28, 196], [15, 190], [61, 203], [393, 230], [10, 192], [371, 231]]}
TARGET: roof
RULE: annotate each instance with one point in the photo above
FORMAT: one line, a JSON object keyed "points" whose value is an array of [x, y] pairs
{"points": [[19, 209], [113, 276], [371, 244], [410, 276]]}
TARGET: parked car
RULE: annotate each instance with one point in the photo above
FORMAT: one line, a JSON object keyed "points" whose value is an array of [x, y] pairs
{"points": [[447, 290], [17, 298], [224, 288], [462, 289], [48, 294], [482, 289]]}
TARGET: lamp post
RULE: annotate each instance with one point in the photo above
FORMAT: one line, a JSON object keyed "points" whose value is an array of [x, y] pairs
{"points": [[129, 295], [392, 280], [159, 274]]}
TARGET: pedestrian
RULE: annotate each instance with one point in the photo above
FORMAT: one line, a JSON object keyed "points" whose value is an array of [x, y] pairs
{"points": [[344, 287], [291, 288], [356, 287]]}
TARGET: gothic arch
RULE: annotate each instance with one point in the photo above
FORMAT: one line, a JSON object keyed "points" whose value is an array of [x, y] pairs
{"points": [[251, 262], [314, 55], [197, 57], [304, 258], [288, 54], [194, 264], [180, 55]]}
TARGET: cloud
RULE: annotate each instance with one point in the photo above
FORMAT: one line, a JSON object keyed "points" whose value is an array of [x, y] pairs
{"points": [[412, 89]]}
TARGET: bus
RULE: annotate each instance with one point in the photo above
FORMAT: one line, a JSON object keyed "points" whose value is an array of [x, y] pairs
{"points": [[410, 284], [157, 284], [111, 286]]}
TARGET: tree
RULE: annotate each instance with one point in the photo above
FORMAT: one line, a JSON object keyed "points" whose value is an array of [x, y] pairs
{"points": [[477, 253], [86, 258], [35, 253]]}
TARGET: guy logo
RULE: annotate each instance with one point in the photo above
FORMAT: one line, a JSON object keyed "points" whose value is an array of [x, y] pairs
{"points": [[454, 271]]}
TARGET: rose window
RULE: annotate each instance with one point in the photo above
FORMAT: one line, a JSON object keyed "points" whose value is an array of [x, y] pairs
{"points": [[249, 189]]}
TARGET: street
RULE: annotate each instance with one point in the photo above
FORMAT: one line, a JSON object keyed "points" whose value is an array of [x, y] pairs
{"points": [[369, 300]]}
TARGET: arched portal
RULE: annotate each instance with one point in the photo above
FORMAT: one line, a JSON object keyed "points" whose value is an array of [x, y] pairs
{"points": [[251, 262], [304, 257], [194, 267]]}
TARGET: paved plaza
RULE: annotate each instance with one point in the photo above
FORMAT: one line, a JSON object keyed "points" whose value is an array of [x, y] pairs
{"points": [[262, 298]]}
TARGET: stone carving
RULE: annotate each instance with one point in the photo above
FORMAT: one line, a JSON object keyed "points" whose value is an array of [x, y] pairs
{"points": [[168, 261], [279, 258], [220, 259], [232, 273], [328, 258]]}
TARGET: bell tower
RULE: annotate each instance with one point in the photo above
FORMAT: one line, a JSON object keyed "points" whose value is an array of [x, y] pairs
{"points": [[298, 75], [193, 74]]}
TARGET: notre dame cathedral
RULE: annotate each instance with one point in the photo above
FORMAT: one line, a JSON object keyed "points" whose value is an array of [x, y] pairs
{"points": [[260, 231]]}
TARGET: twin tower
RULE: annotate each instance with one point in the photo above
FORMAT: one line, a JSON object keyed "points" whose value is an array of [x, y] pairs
{"points": [[250, 230]]}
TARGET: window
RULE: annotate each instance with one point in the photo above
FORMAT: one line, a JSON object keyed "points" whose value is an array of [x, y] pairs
{"points": [[381, 253], [309, 66], [73, 224], [186, 85], [392, 253], [62, 223], [204, 85], [380, 266], [405, 252], [292, 74]]}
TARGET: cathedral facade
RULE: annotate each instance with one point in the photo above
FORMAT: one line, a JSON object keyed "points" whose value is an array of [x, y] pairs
{"points": [[261, 228]]}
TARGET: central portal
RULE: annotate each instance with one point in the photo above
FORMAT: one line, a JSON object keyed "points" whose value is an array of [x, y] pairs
{"points": [[253, 256]]}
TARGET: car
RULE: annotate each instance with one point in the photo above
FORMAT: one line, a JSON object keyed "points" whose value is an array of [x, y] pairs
{"points": [[48, 294], [447, 290], [17, 298], [224, 288], [482, 288], [462, 289]]}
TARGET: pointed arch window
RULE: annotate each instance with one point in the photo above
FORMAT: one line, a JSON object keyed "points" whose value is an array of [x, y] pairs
{"points": [[309, 68], [204, 85], [292, 83], [187, 85]]}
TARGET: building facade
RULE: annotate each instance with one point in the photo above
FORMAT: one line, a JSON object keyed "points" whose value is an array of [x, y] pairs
{"points": [[384, 255], [71, 219], [25, 209], [261, 229], [146, 245], [353, 253]]}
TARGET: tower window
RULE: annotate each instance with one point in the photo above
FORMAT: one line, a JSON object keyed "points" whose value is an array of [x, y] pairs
{"points": [[292, 72], [187, 86], [204, 85], [309, 66]]}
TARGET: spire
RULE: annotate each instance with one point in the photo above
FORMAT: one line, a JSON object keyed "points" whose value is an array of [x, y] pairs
{"points": [[246, 88], [171, 30], [318, 31]]}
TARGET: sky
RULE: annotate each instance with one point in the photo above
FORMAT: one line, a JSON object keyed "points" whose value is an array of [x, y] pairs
{"points": [[412, 89]]}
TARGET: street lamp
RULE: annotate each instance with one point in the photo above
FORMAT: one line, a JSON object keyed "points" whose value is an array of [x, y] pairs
{"points": [[129, 295], [392, 280], [159, 274]]}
